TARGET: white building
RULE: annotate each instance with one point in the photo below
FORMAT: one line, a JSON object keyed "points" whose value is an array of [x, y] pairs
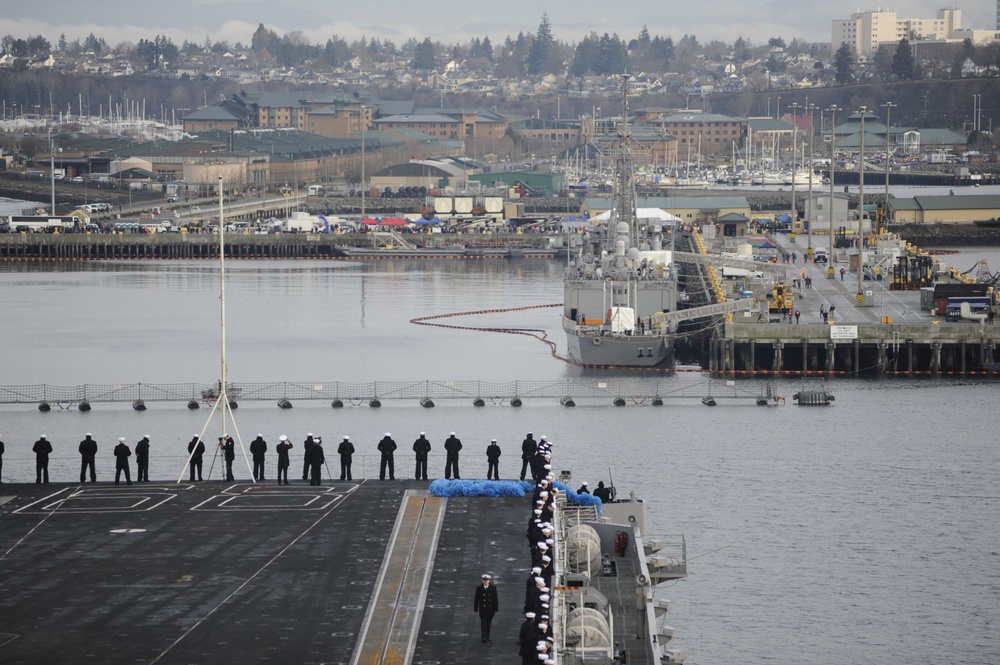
{"points": [[866, 31]]}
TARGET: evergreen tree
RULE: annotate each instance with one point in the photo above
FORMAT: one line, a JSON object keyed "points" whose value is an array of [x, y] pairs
{"points": [[62, 42], [487, 49], [844, 61], [423, 57], [902, 62], [541, 48]]}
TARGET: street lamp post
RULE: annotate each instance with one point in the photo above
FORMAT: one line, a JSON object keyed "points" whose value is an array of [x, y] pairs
{"points": [[795, 131], [363, 162], [861, 214], [885, 206], [833, 166], [809, 170]]}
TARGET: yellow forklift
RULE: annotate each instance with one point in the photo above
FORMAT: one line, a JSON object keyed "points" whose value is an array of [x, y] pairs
{"points": [[780, 298]]}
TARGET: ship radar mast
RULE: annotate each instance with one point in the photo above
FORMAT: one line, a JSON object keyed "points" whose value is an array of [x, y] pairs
{"points": [[623, 205]]}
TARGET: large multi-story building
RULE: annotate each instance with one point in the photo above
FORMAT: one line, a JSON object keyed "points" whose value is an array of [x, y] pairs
{"points": [[866, 31]]}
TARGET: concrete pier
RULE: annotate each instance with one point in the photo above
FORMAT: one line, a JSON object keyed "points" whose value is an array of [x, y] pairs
{"points": [[888, 335]]}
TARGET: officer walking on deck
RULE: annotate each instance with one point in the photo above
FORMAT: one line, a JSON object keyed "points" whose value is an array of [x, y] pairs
{"points": [[42, 450], [316, 458], [486, 604], [493, 461], [452, 446], [387, 447], [420, 448], [122, 453], [196, 449], [284, 445], [142, 460], [346, 451], [528, 449], [229, 454], [88, 453], [257, 449]]}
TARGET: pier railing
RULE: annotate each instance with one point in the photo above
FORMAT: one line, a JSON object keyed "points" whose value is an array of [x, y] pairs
{"points": [[620, 391]]}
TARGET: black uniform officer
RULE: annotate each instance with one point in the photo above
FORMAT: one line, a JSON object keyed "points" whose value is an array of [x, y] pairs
{"points": [[486, 604], [528, 449], [122, 453], [196, 449], [603, 493], [527, 640], [142, 459], [306, 445], [452, 445], [88, 453], [257, 449], [229, 454], [1, 462], [584, 489], [42, 450], [316, 458], [346, 452], [493, 461], [284, 445], [387, 447], [421, 447]]}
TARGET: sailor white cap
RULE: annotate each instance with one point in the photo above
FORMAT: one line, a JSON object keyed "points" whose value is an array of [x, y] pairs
{"points": [[487, 576], [309, 434], [346, 437], [43, 436], [585, 483], [422, 433], [539, 580], [537, 569], [88, 434], [542, 545], [282, 438], [538, 511], [260, 435], [145, 436], [387, 434], [543, 494], [195, 435], [451, 434], [546, 558], [225, 434], [122, 439], [543, 597], [493, 440], [530, 615], [317, 439]]}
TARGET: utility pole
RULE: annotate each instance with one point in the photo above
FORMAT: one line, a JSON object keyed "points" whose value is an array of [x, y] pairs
{"points": [[888, 158], [861, 214]]}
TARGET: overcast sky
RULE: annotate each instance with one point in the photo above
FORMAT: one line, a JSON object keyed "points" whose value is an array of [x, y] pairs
{"points": [[448, 21]]}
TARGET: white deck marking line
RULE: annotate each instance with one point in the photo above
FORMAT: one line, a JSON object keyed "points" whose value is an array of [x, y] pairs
{"points": [[34, 528]]}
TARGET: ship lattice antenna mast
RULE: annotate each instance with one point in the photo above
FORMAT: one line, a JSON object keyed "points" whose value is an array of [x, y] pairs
{"points": [[222, 395], [624, 201]]}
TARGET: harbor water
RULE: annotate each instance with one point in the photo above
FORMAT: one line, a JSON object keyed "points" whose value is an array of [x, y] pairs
{"points": [[860, 532]]}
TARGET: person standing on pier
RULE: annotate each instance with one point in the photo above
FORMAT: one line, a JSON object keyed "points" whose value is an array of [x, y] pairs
{"points": [[316, 458], [486, 604], [346, 452], [88, 454], [196, 449], [452, 446], [306, 445], [822, 312], [528, 449], [284, 445], [493, 461], [122, 453], [831, 312], [229, 454], [387, 447], [420, 448], [257, 449], [42, 450], [142, 460], [797, 315]]}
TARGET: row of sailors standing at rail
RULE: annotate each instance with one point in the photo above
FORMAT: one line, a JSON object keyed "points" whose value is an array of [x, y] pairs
{"points": [[535, 641]]}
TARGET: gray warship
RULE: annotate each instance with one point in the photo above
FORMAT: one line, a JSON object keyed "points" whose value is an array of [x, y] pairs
{"points": [[623, 279]]}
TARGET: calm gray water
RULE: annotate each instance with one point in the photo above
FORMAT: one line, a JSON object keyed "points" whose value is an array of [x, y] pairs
{"points": [[865, 532]]}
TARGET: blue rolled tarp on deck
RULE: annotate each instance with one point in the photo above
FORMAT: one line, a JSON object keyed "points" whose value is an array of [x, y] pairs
{"points": [[443, 487]]}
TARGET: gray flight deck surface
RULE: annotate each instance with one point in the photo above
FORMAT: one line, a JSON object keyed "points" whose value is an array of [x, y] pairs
{"points": [[217, 572]]}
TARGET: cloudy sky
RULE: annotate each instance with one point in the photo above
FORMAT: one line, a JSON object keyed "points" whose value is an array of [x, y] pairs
{"points": [[448, 21]]}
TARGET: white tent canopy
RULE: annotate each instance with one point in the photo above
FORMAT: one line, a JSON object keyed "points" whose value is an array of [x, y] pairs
{"points": [[643, 213]]}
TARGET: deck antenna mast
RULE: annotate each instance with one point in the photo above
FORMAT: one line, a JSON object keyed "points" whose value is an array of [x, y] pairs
{"points": [[223, 396]]}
